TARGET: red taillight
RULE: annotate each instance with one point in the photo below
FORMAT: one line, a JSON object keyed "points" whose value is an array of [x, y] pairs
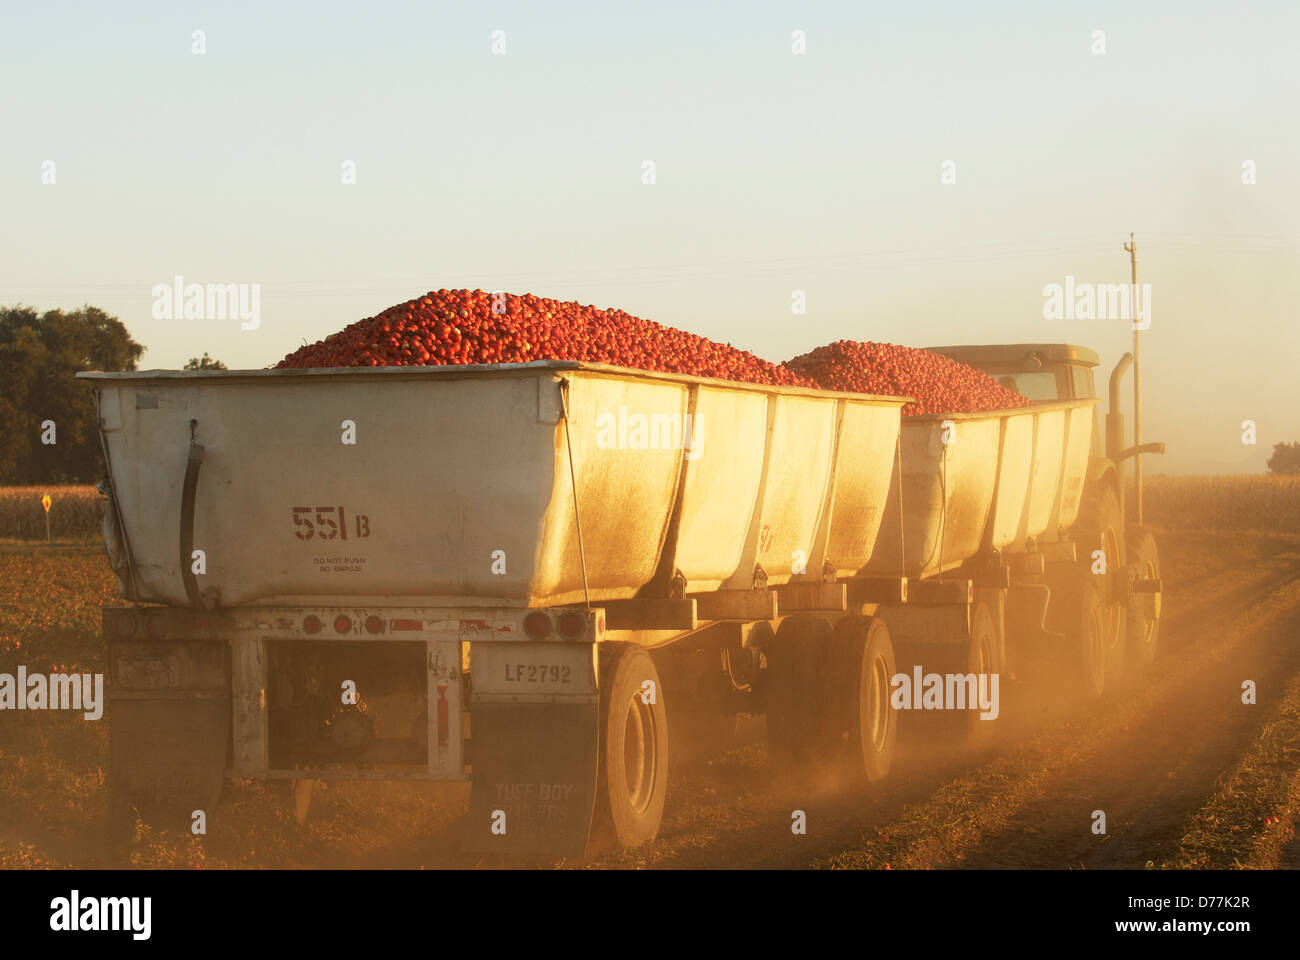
{"points": [[312, 624], [374, 624], [572, 624], [124, 623], [537, 625], [342, 624], [155, 625]]}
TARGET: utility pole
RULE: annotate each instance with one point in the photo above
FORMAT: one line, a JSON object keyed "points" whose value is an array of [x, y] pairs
{"points": [[1138, 315]]}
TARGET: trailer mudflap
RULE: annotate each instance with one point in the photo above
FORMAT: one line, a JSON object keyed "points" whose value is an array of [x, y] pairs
{"points": [[534, 743], [167, 757], [169, 716], [534, 778]]}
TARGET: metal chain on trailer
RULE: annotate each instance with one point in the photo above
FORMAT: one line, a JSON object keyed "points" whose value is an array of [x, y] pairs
{"points": [[116, 504], [898, 459], [943, 505], [573, 482]]}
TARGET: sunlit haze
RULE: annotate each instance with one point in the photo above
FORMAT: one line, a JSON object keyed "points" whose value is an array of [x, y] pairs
{"points": [[775, 172]]}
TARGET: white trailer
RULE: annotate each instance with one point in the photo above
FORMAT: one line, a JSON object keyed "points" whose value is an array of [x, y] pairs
{"points": [[516, 575]]}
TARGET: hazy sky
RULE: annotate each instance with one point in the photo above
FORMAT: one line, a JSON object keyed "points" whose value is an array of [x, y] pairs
{"points": [[774, 172]]}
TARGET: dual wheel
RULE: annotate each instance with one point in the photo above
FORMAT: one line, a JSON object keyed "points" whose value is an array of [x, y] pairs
{"points": [[970, 668], [1144, 607], [828, 707], [1078, 612], [828, 699], [632, 768], [1126, 620], [1102, 520]]}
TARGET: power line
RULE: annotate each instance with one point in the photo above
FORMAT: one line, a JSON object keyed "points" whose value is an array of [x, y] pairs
{"points": [[701, 272]]}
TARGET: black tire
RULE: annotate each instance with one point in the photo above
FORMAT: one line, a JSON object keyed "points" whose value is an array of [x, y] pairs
{"points": [[1144, 608], [798, 683], [1101, 523], [866, 725], [632, 775], [974, 653], [982, 659], [1087, 649]]}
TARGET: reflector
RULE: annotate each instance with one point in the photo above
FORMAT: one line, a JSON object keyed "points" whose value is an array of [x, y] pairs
{"points": [[537, 625]]}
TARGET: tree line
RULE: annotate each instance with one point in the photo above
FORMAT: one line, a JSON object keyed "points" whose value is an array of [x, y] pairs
{"points": [[48, 431]]}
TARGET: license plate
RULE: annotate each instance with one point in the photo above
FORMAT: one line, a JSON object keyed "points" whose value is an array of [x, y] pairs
{"points": [[514, 671], [148, 673]]}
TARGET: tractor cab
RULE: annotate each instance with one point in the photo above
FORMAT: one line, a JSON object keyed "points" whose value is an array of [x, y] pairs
{"points": [[1039, 371], [1108, 519], [1063, 371]]}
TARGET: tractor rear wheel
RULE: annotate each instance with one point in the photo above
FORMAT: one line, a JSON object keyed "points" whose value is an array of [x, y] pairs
{"points": [[1101, 521], [1144, 608], [983, 661], [1086, 650]]}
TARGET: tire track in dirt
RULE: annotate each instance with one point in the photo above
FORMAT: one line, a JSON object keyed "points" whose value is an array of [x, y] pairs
{"points": [[711, 827], [1151, 777], [1250, 819], [1045, 820], [1289, 856], [1042, 819]]}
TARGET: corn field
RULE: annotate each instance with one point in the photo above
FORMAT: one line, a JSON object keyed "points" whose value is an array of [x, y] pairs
{"points": [[76, 513], [1263, 502], [1251, 502]]}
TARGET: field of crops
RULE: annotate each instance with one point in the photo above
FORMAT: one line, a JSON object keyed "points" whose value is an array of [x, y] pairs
{"points": [[1264, 502], [76, 513], [1255, 502]]}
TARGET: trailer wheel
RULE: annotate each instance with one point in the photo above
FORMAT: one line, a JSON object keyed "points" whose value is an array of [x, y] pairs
{"points": [[780, 687], [1144, 609], [798, 680], [1102, 520], [868, 724], [983, 661], [1087, 642], [974, 650], [632, 779]]}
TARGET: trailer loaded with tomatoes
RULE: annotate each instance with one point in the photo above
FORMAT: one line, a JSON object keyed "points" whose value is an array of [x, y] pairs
{"points": [[526, 553]]}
